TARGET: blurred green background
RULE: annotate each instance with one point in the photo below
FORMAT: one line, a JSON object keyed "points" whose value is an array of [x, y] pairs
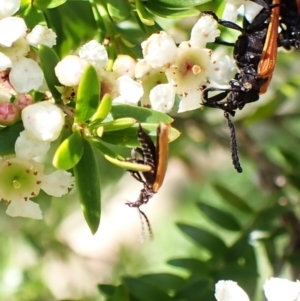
{"points": [[209, 222]]}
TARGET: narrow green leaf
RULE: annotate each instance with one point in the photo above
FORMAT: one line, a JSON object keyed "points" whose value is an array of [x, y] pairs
{"points": [[164, 281], [205, 239], [107, 289], [144, 291], [121, 294], [69, 152], [49, 59], [119, 10], [142, 115], [145, 16], [128, 137], [8, 137], [88, 185], [193, 265], [169, 12], [88, 95], [102, 110], [118, 160], [220, 217], [180, 3], [196, 289], [233, 199], [116, 125]]}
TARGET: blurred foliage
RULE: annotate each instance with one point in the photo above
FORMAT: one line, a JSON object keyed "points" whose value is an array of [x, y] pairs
{"points": [[222, 225]]}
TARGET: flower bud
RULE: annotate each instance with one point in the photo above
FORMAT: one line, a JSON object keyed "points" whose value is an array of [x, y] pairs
{"points": [[41, 35], [43, 121], [23, 100], [124, 64], [159, 50], [69, 70], [9, 113]]}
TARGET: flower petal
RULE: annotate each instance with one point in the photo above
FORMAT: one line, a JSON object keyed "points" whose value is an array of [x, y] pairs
{"points": [[227, 290], [57, 183], [277, 289], [24, 209], [28, 148], [26, 75]]}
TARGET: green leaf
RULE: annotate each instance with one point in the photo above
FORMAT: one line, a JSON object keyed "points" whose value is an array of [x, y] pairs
{"points": [[128, 137], [233, 199], [115, 125], [118, 160], [144, 291], [107, 289], [164, 281], [196, 289], [69, 152], [8, 137], [88, 95], [144, 15], [42, 4], [140, 114], [121, 294], [88, 185], [179, 3], [205, 239], [220, 217], [102, 110], [169, 12], [193, 265], [119, 10], [49, 59]]}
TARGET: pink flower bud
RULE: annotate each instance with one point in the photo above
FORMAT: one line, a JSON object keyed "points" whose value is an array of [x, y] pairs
{"points": [[23, 100], [9, 113]]}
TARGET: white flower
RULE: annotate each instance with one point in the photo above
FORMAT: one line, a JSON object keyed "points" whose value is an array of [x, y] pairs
{"points": [[162, 98], [57, 183], [19, 181], [95, 54], [222, 70], [277, 289], [69, 70], [124, 64], [227, 290], [204, 31], [43, 121], [41, 35], [29, 148], [26, 75], [8, 8], [159, 50], [190, 69], [22, 179], [130, 91], [190, 100], [11, 29]]}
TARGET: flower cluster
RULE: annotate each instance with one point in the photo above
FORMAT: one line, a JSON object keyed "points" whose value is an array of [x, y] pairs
{"points": [[23, 174], [275, 289], [19, 73], [165, 71]]}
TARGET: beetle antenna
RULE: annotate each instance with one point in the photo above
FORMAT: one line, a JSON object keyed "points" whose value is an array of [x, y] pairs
{"points": [[143, 215], [233, 144]]}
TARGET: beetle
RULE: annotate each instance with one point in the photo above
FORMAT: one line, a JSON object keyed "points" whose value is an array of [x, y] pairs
{"points": [[154, 156]]}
